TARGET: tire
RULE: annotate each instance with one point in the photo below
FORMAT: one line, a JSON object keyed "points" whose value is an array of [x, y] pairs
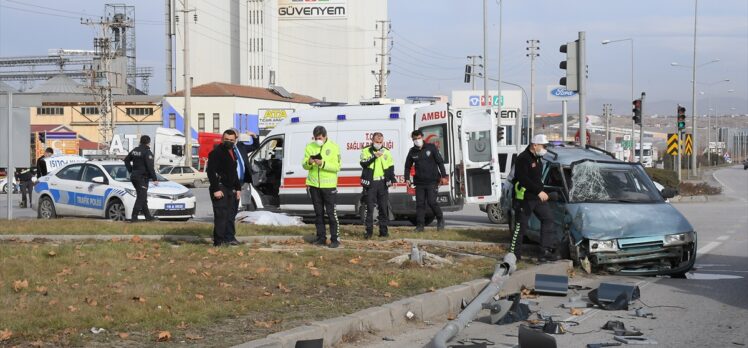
{"points": [[46, 208], [496, 214], [5, 188], [427, 221], [115, 211]]}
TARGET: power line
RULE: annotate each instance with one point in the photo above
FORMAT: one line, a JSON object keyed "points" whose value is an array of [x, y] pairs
{"points": [[438, 54]]}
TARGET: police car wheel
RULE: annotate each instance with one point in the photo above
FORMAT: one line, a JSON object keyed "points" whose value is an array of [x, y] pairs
{"points": [[47, 208], [115, 211], [5, 188]]}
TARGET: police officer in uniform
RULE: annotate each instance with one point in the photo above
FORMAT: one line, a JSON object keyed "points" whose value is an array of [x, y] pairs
{"points": [[139, 163], [430, 173], [529, 198], [41, 164], [377, 176], [27, 185], [322, 161]]}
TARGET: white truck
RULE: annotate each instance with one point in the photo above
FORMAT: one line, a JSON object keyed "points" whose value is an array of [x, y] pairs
{"points": [[647, 155], [467, 143], [168, 147]]}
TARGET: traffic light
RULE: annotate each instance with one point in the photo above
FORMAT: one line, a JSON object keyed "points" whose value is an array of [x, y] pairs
{"points": [[571, 81], [499, 133], [681, 118], [468, 73], [42, 137], [637, 111]]}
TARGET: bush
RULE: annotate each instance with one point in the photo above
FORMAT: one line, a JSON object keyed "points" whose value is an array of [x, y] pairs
{"points": [[698, 189], [665, 177]]}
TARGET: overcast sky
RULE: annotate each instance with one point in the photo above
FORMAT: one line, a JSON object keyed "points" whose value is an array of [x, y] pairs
{"points": [[432, 39]]}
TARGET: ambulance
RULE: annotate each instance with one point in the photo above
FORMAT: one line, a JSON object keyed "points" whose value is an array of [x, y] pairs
{"points": [[464, 140]]}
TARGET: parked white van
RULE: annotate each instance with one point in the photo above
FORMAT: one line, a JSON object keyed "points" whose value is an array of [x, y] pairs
{"points": [[464, 142]]}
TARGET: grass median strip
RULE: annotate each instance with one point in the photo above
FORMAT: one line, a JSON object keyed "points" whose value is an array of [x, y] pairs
{"points": [[141, 291], [205, 230]]}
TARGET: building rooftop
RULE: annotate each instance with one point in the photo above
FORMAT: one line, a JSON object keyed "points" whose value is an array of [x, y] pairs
{"points": [[218, 89], [59, 84]]}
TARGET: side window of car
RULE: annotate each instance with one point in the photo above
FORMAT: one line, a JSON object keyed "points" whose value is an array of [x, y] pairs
{"points": [[187, 170], [166, 170], [72, 172], [177, 170], [91, 172]]}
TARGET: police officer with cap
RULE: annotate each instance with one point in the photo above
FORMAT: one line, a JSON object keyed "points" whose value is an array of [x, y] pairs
{"points": [[139, 163], [430, 173], [530, 198], [377, 176]]}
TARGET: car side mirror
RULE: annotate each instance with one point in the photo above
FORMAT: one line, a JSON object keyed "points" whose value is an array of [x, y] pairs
{"points": [[99, 180], [668, 193]]}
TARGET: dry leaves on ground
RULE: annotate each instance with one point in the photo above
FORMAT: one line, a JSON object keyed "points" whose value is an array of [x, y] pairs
{"points": [[52, 253], [123, 335], [200, 296], [576, 311], [5, 335], [136, 239], [266, 324], [193, 337], [19, 285], [355, 260], [315, 272], [163, 336], [393, 283]]}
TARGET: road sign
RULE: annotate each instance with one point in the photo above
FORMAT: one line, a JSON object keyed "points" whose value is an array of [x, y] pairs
{"points": [[626, 144], [672, 144], [689, 145]]}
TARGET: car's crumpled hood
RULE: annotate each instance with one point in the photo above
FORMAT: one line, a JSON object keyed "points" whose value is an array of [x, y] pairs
{"points": [[625, 220]]}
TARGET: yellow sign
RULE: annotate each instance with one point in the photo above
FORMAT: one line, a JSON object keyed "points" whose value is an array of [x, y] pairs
{"points": [[269, 118], [672, 144], [689, 145]]}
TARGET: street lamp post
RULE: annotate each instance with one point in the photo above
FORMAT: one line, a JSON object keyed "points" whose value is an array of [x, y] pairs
{"points": [[633, 124], [708, 116]]}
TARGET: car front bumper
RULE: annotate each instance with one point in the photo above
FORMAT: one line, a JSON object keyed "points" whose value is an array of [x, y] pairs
{"points": [[647, 260], [165, 209]]}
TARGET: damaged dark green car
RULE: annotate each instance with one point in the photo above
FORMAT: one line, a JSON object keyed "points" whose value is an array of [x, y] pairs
{"points": [[611, 216]]}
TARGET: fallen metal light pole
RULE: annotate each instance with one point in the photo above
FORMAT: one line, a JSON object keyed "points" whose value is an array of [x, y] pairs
{"points": [[501, 273]]}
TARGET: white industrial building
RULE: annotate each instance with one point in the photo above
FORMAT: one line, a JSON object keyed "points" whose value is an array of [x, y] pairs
{"points": [[327, 49]]}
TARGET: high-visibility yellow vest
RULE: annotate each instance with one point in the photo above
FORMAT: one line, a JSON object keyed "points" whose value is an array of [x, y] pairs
{"points": [[325, 175], [380, 164]]}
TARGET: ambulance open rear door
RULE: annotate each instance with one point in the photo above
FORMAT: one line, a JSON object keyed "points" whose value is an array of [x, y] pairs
{"points": [[479, 154]]}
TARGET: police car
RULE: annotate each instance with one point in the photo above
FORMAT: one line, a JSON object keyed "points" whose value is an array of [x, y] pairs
{"points": [[103, 189]]}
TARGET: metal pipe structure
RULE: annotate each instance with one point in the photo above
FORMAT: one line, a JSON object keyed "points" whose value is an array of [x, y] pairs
{"points": [[694, 156], [10, 169], [582, 71], [485, 56], [501, 273]]}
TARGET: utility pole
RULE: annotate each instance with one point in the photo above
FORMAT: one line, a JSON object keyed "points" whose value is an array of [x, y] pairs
{"points": [[102, 90], [10, 170], [607, 111], [485, 58], [694, 162], [565, 115], [532, 47], [384, 59], [498, 89], [169, 34], [187, 84], [582, 71], [641, 130]]}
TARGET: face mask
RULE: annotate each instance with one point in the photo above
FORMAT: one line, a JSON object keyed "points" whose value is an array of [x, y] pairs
{"points": [[320, 142], [542, 152], [418, 142], [377, 146], [228, 144]]}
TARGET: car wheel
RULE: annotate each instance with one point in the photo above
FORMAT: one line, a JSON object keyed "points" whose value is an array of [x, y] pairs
{"points": [[46, 208], [115, 211], [496, 214]]}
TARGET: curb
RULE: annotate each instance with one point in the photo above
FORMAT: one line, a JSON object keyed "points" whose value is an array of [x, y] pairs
{"points": [[437, 305]]}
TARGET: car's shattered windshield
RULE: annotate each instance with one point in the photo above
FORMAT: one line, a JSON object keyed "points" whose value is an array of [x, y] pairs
{"points": [[611, 182]]}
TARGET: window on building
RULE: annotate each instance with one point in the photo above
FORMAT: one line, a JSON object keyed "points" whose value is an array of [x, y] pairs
{"points": [[50, 111], [262, 44], [89, 110], [201, 122], [139, 111], [216, 123], [172, 121]]}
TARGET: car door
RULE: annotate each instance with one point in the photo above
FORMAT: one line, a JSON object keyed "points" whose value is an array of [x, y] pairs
{"points": [[188, 175], [176, 175], [554, 185], [482, 171], [435, 123], [64, 187], [91, 198]]}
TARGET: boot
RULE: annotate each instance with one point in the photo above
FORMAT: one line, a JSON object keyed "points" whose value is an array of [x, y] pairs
{"points": [[549, 255], [419, 229], [440, 224]]}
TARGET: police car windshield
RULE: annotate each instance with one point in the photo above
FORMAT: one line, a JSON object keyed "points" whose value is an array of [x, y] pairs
{"points": [[119, 172], [612, 183]]}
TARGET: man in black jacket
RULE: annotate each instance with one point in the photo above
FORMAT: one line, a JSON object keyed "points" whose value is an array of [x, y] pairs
{"points": [[430, 173], [225, 188], [139, 163], [41, 164], [244, 149], [24, 177], [529, 198]]}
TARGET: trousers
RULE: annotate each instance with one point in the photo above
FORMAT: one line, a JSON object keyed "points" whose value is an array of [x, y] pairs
{"points": [[141, 197], [522, 210], [224, 212], [426, 195], [324, 200], [377, 195]]}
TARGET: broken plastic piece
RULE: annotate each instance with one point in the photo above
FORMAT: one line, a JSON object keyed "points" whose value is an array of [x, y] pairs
{"points": [[611, 296], [529, 338], [614, 325], [552, 327], [644, 313], [518, 311], [634, 340], [97, 331], [575, 302], [315, 343], [551, 284], [604, 344], [410, 315]]}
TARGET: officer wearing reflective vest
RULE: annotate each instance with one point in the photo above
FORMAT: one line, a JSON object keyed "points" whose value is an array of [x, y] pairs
{"points": [[377, 175], [529, 198], [322, 161]]}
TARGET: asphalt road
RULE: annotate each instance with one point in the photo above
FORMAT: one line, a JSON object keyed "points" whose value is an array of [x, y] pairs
{"points": [[706, 310]]}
